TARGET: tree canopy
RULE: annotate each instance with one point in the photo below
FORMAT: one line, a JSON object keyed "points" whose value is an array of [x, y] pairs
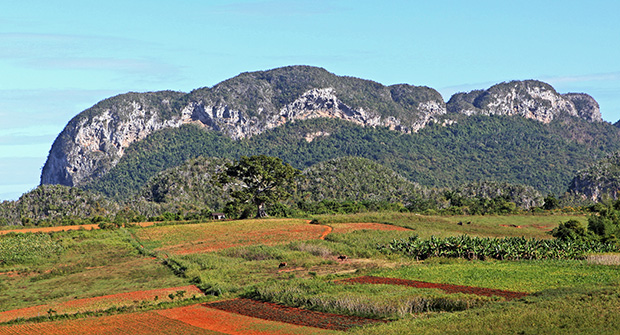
{"points": [[262, 180]]}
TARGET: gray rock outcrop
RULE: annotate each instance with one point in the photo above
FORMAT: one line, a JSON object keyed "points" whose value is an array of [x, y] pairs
{"points": [[530, 99]]}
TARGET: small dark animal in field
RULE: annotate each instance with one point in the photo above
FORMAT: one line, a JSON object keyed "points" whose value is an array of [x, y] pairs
{"points": [[283, 264], [468, 222], [460, 223], [343, 258]]}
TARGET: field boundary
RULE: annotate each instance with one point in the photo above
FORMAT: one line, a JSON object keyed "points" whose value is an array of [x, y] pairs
{"points": [[448, 288]]}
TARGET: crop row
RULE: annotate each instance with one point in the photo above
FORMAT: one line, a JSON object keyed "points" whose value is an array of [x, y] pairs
{"points": [[508, 248], [24, 248]]}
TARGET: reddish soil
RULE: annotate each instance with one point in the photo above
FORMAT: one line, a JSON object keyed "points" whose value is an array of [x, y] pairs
{"points": [[448, 288], [99, 303], [327, 231], [195, 319], [302, 317], [510, 226], [63, 228], [149, 323], [219, 320]]}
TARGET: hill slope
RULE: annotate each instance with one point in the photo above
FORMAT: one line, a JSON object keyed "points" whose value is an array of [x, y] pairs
{"points": [[499, 148]]}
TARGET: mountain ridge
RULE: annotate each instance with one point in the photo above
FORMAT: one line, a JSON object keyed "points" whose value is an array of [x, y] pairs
{"points": [[248, 104]]}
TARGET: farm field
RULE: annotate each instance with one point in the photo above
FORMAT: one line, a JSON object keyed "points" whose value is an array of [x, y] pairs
{"points": [[333, 267]]}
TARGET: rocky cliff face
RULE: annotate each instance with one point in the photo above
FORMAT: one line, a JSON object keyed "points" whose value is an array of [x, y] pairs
{"points": [[95, 140], [530, 99], [599, 181]]}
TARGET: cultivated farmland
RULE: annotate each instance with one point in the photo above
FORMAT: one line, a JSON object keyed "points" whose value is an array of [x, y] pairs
{"points": [[262, 276]]}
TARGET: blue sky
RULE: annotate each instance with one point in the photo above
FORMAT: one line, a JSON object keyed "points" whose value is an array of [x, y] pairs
{"points": [[58, 58]]}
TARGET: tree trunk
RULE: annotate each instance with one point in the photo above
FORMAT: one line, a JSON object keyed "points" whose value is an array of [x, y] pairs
{"points": [[260, 211]]}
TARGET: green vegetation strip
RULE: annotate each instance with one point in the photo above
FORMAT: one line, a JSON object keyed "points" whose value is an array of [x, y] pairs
{"points": [[509, 248]]}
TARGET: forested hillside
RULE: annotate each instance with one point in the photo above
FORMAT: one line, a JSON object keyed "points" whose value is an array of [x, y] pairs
{"points": [[507, 149]]}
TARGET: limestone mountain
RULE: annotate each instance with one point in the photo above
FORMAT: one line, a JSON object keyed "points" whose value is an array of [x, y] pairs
{"points": [[244, 115], [530, 98], [241, 107]]}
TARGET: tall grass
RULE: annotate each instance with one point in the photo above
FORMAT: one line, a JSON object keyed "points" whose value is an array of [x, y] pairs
{"points": [[374, 301]]}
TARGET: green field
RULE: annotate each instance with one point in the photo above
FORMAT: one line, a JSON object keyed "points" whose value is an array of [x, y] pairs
{"points": [[233, 259]]}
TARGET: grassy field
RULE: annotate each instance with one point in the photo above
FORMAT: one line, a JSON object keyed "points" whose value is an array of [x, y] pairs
{"points": [[230, 259]]}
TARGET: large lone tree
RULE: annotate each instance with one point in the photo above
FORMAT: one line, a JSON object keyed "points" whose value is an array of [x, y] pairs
{"points": [[261, 180]]}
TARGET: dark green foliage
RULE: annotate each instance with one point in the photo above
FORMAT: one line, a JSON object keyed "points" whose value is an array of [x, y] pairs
{"points": [[493, 197], [605, 222], [508, 248], [550, 202], [571, 230], [55, 205], [262, 180], [162, 150], [192, 184], [355, 179]]}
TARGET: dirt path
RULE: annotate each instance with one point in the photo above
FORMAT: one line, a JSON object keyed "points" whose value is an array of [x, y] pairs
{"points": [[64, 228], [327, 231]]}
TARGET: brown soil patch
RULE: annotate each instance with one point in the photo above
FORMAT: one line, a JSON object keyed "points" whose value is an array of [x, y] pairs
{"points": [[99, 303], [349, 227], [448, 288], [64, 228], [511, 226], [297, 316], [149, 323], [233, 323]]}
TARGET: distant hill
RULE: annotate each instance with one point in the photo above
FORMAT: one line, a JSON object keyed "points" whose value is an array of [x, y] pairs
{"points": [[355, 179], [55, 202]]}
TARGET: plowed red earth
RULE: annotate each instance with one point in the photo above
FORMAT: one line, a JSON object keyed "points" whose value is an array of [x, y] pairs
{"points": [[195, 319], [63, 228], [275, 312], [98, 303], [204, 316], [448, 288]]}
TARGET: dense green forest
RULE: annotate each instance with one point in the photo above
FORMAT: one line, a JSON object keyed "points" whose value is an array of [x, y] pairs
{"points": [[476, 148]]}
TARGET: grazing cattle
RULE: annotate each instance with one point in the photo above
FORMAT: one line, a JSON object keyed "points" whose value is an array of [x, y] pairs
{"points": [[283, 264], [460, 223], [343, 257]]}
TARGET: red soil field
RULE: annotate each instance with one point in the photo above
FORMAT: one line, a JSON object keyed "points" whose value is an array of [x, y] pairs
{"points": [[99, 303], [232, 323], [149, 323], [448, 288], [63, 228], [302, 317], [194, 319]]}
